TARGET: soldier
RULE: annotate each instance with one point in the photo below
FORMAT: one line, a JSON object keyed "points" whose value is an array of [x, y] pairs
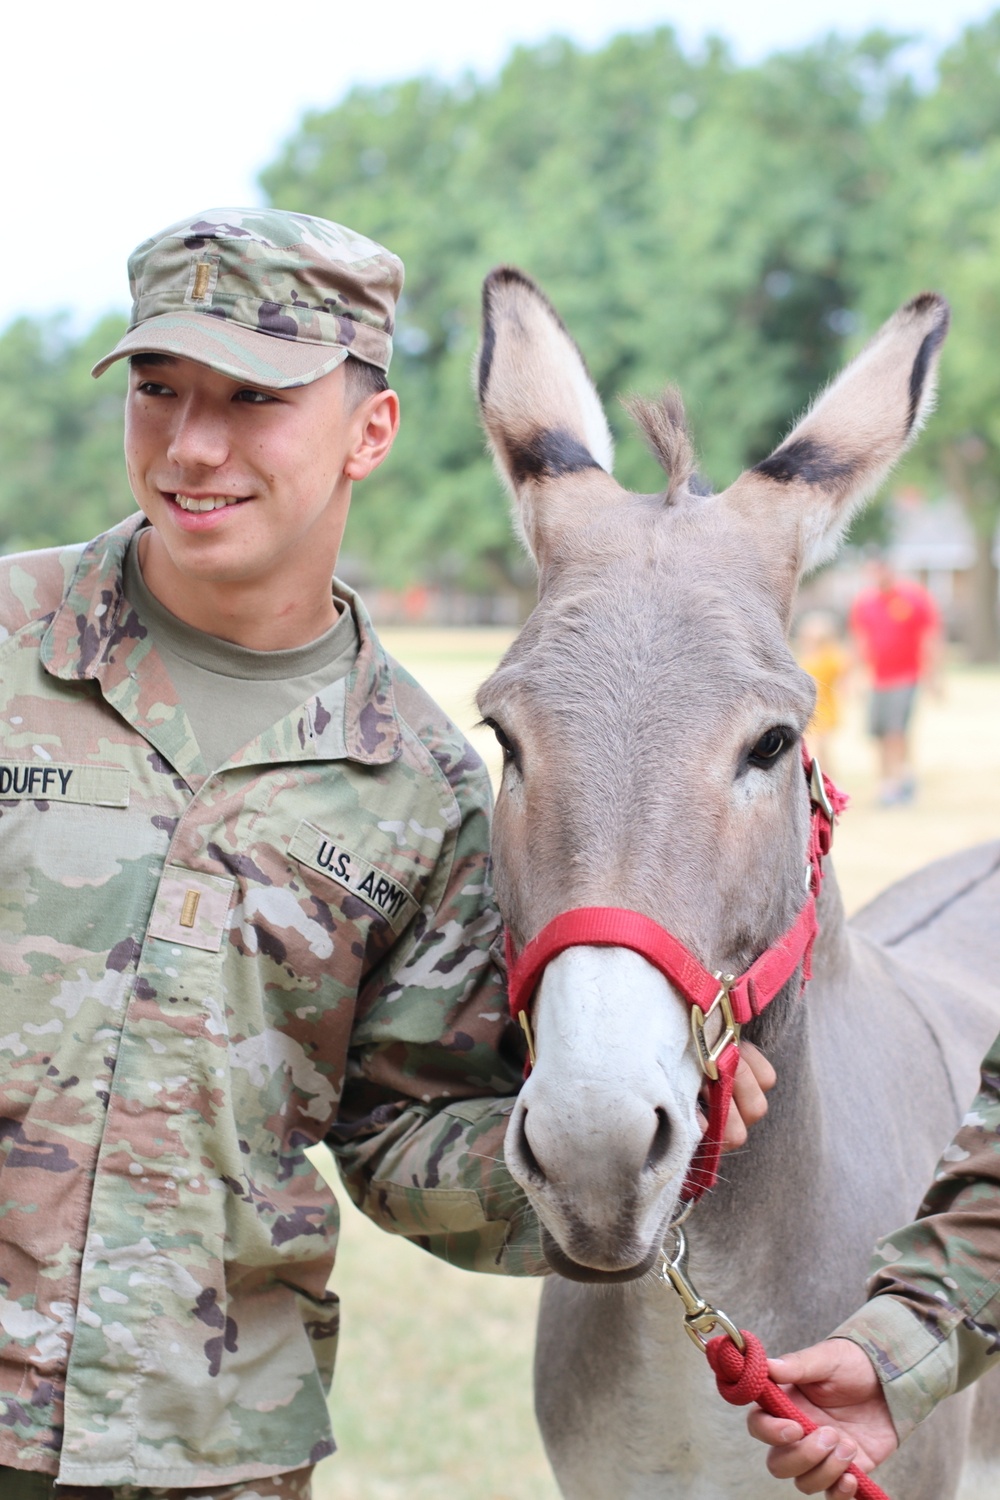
{"points": [[931, 1325], [245, 903]]}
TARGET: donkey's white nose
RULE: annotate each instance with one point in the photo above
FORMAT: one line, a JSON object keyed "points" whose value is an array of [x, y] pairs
{"points": [[604, 1134], [606, 1124]]}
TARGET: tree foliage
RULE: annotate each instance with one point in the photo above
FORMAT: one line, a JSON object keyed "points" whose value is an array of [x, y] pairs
{"points": [[61, 472], [736, 230], [689, 218]]}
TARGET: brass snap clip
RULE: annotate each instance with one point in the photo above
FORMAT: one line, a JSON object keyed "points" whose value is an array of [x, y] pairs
{"points": [[700, 1318]]}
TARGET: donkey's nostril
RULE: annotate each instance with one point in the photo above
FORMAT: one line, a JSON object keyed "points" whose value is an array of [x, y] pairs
{"points": [[661, 1141], [529, 1160]]}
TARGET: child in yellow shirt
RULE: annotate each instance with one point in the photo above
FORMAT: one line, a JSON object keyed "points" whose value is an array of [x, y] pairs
{"points": [[820, 652]]}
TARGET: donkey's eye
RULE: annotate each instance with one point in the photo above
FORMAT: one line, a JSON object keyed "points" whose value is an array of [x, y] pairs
{"points": [[770, 746], [506, 745]]}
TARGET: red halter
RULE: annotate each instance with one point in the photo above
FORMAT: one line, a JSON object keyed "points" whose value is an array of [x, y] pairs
{"points": [[736, 1000]]}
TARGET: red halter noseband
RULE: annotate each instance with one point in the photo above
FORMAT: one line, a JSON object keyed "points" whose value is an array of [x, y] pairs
{"points": [[737, 1000]]}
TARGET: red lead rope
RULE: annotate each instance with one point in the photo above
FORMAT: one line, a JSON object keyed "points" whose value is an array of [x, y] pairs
{"points": [[746, 997], [742, 1378]]}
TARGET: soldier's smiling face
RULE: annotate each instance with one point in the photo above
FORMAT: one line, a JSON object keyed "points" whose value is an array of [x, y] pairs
{"points": [[245, 485]]}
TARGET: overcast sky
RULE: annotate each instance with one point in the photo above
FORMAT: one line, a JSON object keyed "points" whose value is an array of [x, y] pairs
{"points": [[119, 117]]}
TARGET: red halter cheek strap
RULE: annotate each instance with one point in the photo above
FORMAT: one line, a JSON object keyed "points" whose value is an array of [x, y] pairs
{"points": [[737, 1000]]}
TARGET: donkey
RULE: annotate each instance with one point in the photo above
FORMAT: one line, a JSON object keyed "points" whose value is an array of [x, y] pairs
{"points": [[650, 716]]}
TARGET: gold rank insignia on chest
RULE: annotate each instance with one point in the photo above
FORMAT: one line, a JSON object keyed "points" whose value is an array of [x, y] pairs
{"points": [[324, 852], [192, 908]]}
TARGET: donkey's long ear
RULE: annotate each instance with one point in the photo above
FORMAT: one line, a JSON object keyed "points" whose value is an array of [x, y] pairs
{"points": [[542, 415], [840, 452]]}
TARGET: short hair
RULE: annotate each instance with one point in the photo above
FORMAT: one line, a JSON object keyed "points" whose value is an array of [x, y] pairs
{"points": [[362, 380]]}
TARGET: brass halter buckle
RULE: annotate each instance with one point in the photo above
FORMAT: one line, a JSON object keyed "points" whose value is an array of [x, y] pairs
{"points": [[708, 1055], [700, 1318], [818, 794], [524, 1021]]}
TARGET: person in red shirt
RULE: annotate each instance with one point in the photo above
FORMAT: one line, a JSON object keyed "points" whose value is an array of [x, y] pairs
{"points": [[897, 627]]}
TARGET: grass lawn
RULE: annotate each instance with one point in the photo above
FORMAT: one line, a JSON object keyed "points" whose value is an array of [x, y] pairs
{"points": [[432, 1399]]}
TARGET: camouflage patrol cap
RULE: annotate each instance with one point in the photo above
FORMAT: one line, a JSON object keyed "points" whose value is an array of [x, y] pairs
{"points": [[273, 298]]}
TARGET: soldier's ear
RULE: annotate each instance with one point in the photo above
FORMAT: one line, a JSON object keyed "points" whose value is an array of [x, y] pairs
{"points": [[377, 418]]}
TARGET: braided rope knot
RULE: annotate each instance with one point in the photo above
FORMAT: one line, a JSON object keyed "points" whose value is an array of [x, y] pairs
{"points": [[741, 1375]]}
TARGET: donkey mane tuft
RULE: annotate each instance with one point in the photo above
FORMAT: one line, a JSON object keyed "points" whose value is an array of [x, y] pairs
{"points": [[663, 424]]}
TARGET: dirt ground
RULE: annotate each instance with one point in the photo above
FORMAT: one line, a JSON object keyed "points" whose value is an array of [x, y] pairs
{"points": [[432, 1399]]}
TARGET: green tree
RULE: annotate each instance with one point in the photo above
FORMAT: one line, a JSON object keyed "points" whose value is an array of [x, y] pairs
{"points": [[734, 230], [62, 475], [689, 218], [936, 222]]}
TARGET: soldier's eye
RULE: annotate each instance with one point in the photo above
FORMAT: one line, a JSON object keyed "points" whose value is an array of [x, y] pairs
{"points": [[254, 398]]}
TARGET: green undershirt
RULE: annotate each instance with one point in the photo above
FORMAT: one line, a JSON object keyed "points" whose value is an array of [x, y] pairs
{"points": [[230, 693], [20, 1484]]}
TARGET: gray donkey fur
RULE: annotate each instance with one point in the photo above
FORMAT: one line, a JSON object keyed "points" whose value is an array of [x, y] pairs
{"points": [[639, 711]]}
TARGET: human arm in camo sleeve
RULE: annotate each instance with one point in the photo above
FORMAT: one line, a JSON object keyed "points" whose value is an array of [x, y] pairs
{"points": [[435, 1060], [929, 1328], [931, 1324]]}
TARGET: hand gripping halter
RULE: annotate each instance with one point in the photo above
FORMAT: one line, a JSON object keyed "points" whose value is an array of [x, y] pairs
{"points": [[733, 1000]]}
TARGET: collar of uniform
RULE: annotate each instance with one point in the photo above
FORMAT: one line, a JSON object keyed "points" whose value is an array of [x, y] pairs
{"points": [[371, 721], [96, 634], [94, 629]]}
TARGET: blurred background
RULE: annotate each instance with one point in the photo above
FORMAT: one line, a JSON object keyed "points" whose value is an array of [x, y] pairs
{"points": [[726, 197], [731, 212]]}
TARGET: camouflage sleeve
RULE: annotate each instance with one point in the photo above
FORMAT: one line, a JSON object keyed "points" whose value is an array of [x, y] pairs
{"points": [[434, 1065], [931, 1325]]}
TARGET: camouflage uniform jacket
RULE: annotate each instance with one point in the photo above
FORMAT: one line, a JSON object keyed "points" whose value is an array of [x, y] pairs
{"points": [[932, 1325], [201, 976]]}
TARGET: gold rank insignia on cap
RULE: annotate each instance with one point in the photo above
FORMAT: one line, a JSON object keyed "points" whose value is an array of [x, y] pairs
{"points": [[202, 280]]}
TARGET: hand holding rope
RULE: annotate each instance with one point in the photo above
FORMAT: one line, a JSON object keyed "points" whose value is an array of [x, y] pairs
{"points": [[737, 1357]]}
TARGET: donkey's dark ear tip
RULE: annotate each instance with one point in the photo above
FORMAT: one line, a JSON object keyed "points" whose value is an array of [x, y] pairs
{"points": [[497, 279], [494, 283], [930, 302], [507, 275]]}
